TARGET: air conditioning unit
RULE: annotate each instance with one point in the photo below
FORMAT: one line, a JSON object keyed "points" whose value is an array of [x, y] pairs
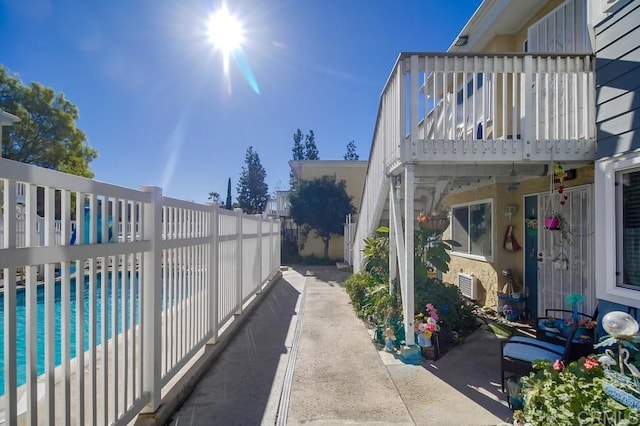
{"points": [[468, 285]]}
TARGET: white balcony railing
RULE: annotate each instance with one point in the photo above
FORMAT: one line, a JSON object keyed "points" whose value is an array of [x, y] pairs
{"points": [[473, 108], [93, 331]]}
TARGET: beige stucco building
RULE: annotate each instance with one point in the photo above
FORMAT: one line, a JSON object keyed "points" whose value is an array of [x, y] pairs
{"points": [[353, 173]]}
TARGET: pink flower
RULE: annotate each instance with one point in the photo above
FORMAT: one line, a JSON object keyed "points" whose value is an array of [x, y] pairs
{"points": [[434, 315], [591, 364], [430, 307], [558, 365]]}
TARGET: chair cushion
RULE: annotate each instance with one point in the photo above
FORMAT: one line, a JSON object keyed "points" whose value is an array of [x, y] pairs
{"points": [[558, 348], [530, 353]]}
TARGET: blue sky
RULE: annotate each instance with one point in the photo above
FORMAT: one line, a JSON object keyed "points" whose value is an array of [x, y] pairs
{"points": [[155, 103]]}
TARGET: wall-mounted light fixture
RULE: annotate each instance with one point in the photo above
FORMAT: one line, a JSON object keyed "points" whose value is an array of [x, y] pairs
{"points": [[462, 40], [397, 181]]}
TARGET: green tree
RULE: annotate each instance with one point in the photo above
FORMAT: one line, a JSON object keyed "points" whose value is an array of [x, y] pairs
{"points": [[214, 196], [298, 148], [310, 149], [351, 152], [46, 135], [253, 192], [227, 204], [321, 204]]}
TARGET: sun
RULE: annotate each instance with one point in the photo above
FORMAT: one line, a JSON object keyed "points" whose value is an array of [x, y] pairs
{"points": [[226, 33]]}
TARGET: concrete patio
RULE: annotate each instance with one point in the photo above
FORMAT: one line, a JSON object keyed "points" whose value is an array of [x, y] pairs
{"points": [[303, 357]]}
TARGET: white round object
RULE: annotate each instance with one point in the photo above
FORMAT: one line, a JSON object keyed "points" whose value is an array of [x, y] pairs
{"points": [[619, 324]]}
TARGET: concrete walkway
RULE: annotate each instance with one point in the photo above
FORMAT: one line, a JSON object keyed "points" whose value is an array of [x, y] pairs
{"points": [[303, 357]]}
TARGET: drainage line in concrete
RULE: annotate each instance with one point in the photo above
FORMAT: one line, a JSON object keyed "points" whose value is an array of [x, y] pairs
{"points": [[283, 409]]}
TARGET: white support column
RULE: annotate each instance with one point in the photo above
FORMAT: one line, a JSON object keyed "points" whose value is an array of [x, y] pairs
{"points": [[393, 248], [528, 118], [396, 225], [151, 305], [410, 352]]}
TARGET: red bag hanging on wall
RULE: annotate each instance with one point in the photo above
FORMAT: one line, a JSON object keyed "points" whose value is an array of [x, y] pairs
{"points": [[510, 243]]}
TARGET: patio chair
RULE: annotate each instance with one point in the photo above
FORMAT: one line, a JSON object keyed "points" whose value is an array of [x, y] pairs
{"points": [[554, 335], [517, 353], [584, 338]]}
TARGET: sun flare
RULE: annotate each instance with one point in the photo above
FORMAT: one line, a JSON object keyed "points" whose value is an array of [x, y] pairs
{"points": [[226, 33]]}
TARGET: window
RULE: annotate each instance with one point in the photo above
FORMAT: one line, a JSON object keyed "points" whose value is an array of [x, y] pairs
{"points": [[471, 227], [617, 229], [479, 79], [627, 188]]}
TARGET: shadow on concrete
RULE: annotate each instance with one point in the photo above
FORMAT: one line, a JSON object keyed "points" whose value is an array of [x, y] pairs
{"points": [[328, 274], [473, 369], [237, 389]]}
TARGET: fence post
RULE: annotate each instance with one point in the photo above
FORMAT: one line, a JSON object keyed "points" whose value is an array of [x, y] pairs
{"points": [[10, 373], [239, 260], [214, 272], [271, 248], [259, 254], [151, 352]]}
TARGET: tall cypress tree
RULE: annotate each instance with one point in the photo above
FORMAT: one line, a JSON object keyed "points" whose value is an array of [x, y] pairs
{"points": [[227, 204]]}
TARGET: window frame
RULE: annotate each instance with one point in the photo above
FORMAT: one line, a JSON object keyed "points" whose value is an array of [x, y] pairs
{"points": [[608, 215], [466, 254]]}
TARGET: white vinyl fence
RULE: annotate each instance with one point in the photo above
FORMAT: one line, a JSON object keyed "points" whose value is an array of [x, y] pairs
{"points": [[109, 294]]}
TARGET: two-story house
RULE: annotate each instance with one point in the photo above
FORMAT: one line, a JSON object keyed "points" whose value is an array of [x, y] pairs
{"points": [[503, 129]]}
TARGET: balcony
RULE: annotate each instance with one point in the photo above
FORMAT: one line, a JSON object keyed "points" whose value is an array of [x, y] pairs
{"points": [[278, 207], [464, 117], [443, 108]]}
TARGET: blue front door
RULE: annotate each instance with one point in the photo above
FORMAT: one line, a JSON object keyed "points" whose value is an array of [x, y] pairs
{"points": [[530, 227]]}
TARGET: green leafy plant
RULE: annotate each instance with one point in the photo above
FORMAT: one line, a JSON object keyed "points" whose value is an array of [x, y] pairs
{"points": [[376, 253], [572, 394], [430, 249], [455, 313]]}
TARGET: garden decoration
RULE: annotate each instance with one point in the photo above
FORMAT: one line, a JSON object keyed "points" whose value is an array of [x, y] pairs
{"points": [[389, 339], [553, 219], [622, 329], [510, 244], [426, 325], [573, 300]]}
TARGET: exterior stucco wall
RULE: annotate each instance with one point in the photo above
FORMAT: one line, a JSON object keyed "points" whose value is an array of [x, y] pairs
{"points": [[489, 273], [353, 173], [515, 42]]}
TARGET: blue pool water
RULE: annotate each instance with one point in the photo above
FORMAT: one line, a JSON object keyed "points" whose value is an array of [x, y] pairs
{"points": [[21, 322]]}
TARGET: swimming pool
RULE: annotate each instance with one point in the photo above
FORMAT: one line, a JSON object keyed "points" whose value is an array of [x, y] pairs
{"points": [[21, 321]]}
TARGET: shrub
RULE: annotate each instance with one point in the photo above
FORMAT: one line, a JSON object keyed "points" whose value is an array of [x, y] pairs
{"points": [[554, 394], [370, 297], [455, 313]]}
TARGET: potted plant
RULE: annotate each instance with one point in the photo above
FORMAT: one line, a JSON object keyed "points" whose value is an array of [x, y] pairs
{"points": [[436, 221], [552, 222]]}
